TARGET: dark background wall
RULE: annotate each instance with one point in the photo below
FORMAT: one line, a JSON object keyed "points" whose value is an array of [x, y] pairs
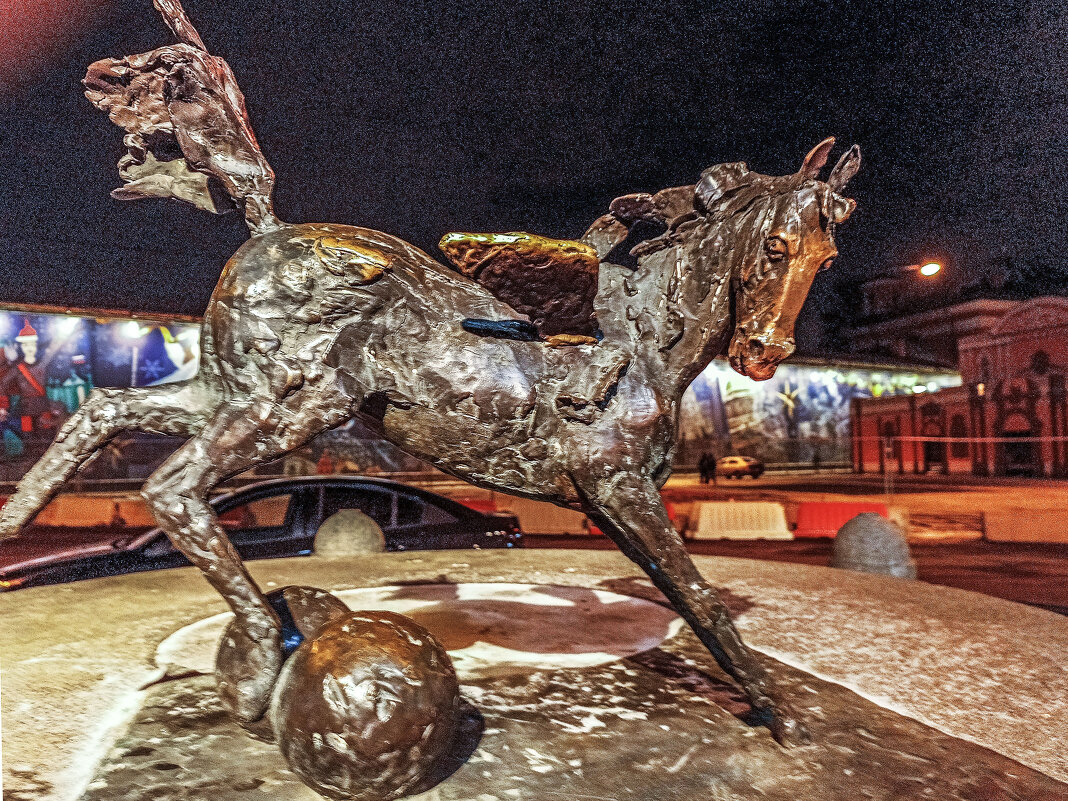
{"points": [[419, 118]]}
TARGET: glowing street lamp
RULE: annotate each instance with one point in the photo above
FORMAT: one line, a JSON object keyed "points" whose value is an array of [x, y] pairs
{"points": [[133, 330], [894, 290], [927, 269]]}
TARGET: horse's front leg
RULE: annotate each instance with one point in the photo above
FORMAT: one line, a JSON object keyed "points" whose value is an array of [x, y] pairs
{"points": [[628, 508]]}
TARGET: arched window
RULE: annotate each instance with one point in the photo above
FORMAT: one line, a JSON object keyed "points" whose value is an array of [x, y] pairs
{"points": [[958, 428], [1040, 362]]}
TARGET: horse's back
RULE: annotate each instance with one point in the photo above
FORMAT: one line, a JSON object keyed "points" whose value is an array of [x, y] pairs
{"points": [[379, 311], [326, 266]]}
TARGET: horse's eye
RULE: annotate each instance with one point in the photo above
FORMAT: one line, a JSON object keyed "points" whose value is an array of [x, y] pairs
{"points": [[775, 248], [826, 265]]}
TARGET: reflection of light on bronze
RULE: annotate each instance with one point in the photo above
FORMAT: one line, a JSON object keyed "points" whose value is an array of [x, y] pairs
{"points": [[931, 268]]}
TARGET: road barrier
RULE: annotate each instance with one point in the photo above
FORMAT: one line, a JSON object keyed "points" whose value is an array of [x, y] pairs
{"points": [[740, 520], [824, 518], [538, 517]]}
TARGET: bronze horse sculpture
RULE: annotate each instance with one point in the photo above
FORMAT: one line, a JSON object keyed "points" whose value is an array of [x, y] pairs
{"points": [[313, 324]]}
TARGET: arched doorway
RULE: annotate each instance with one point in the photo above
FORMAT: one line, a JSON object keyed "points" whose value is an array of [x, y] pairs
{"points": [[1020, 457], [934, 450], [890, 449], [934, 454]]}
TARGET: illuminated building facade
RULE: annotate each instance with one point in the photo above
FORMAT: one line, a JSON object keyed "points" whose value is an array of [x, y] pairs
{"points": [[1009, 416]]}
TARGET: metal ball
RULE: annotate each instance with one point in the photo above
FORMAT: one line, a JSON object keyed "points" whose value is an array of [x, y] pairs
{"points": [[302, 611], [366, 708]]}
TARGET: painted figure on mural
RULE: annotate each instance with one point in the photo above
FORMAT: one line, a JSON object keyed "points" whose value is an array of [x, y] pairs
{"points": [[44, 376]]}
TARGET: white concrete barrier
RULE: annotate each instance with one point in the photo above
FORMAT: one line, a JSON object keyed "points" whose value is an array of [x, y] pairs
{"points": [[740, 520]]}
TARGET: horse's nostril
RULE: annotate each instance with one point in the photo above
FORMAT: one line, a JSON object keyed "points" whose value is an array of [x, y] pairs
{"points": [[756, 347]]}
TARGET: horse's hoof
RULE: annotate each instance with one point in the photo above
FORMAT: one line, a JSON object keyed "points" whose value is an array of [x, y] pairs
{"points": [[247, 666], [788, 730], [367, 708]]}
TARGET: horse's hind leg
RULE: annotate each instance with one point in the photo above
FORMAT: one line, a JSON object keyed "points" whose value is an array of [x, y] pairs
{"points": [[178, 409], [238, 436], [629, 509]]}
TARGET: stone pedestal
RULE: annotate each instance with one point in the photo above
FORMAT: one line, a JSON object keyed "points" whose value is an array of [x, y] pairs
{"points": [[579, 683]]}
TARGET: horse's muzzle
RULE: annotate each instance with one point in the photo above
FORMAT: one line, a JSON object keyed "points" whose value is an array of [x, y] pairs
{"points": [[757, 356]]}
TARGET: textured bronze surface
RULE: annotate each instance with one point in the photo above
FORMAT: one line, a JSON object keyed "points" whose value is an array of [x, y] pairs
{"points": [[366, 707], [551, 281], [313, 324], [662, 724], [302, 612]]}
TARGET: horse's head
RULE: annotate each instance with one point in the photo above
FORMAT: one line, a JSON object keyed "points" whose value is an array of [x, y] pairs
{"points": [[777, 233]]}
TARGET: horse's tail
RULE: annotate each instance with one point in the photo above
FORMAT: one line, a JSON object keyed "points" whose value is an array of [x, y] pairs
{"points": [[180, 97]]}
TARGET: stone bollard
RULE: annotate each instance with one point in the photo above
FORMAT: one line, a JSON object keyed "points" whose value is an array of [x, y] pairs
{"points": [[349, 532], [870, 543]]}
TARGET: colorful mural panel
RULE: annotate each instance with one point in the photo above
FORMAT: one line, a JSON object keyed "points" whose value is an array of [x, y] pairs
{"points": [[50, 362], [800, 416]]}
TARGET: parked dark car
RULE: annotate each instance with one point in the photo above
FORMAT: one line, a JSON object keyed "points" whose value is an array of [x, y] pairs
{"points": [[739, 466], [266, 520]]}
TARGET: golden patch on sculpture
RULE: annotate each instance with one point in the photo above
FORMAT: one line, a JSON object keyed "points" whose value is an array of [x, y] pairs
{"points": [[469, 252], [341, 255], [551, 281]]}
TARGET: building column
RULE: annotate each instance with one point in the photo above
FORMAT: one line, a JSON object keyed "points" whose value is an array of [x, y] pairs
{"points": [[915, 442], [1058, 416], [977, 403]]}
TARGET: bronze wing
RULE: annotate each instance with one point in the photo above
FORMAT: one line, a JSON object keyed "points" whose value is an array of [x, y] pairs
{"points": [[551, 281]]}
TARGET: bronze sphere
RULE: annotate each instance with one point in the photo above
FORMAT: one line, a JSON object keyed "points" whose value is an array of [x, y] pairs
{"points": [[367, 707], [302, 611]]}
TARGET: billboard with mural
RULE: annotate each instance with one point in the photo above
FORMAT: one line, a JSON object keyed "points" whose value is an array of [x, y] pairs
{"points": [[50, 361], [800, 416]]}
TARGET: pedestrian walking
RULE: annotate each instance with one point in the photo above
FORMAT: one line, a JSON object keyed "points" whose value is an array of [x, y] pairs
{"points": [[706, 467]]}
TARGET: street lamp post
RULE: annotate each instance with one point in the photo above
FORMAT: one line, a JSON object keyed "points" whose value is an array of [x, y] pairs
{"points": [[134, 332]]}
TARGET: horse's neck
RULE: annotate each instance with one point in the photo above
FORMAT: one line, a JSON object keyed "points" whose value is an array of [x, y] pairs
{"points": [[676, 305]]}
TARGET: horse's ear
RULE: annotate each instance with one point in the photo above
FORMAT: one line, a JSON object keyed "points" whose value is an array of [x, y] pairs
{"points": [[717, 181], [817, 158], [845, 169], [837, 208]]}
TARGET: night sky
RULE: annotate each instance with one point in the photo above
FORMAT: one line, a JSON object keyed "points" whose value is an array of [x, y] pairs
{"points": [[418, 118]]}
